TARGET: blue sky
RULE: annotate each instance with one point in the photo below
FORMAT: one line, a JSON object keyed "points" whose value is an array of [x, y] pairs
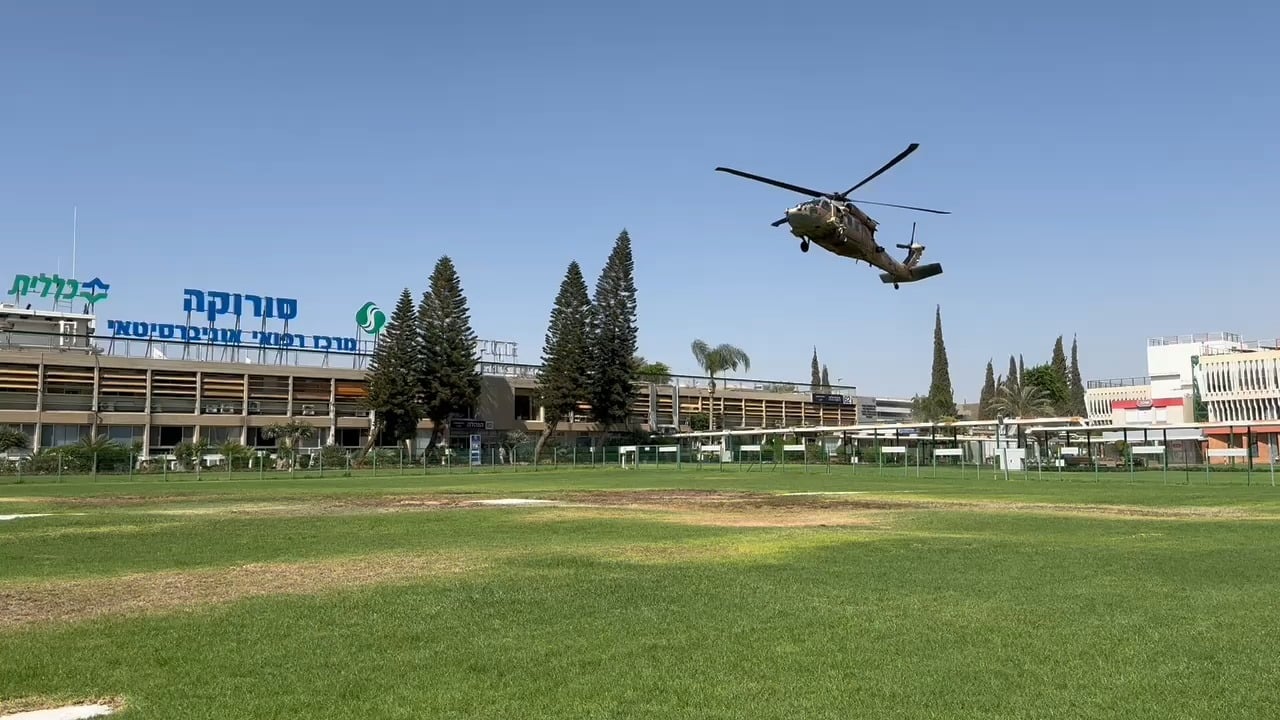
{"points": [[1109, 166]]}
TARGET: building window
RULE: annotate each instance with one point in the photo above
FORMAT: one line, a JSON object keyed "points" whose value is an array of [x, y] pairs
{"points": [[524, 407]]}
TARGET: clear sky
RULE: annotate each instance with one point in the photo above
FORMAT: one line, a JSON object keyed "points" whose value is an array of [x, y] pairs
{"points": [[1111, 167]]}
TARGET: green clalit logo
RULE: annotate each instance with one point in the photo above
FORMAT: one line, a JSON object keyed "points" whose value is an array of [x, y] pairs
{"points": [[370, 318]]}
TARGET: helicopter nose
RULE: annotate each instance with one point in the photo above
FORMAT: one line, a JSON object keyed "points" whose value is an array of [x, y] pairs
{"points": [[799, 218]]}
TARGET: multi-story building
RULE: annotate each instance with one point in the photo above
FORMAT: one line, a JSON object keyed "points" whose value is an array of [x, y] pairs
{"points": [[1210, 378], [1166, 394], [60, 382]]}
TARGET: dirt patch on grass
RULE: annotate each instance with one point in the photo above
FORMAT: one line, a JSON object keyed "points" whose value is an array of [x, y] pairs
{"points": [[718, 509], [46, 702], [68, 600]]}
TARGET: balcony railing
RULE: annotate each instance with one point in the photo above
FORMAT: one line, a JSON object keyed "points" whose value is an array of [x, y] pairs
{"points": [[1193, 338], [1118, 382]]}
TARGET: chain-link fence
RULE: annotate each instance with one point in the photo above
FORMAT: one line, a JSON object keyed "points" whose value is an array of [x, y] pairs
{"points": [[1035, 457]]}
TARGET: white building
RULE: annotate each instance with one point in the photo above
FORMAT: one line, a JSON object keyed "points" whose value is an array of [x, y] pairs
{"points": [[1166, 394]]}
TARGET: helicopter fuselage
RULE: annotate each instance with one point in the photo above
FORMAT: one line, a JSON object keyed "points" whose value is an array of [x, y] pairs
{"points": [[836, 225], [842, 229]]}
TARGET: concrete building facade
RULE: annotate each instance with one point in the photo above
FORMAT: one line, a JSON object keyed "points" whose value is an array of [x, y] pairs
{"points": [[60, 384]]}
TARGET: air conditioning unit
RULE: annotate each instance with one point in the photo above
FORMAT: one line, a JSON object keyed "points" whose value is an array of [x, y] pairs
{"points": [[254, 406], [308, 409]]}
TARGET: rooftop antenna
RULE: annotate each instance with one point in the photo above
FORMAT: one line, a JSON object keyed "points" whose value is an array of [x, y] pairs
{"points": [[75, 225]]}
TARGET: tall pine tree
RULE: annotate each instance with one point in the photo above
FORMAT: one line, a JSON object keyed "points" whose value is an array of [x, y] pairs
{"points": [[562, 381], [988, 393], [1076, 385], [613, 338], [1012, 378], [815, 373], [941, 399], [393, 377], [826, 379], [450, 364], [1058, 363]]}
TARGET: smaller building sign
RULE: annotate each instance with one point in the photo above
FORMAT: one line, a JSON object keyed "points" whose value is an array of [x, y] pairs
{"points": [[93, 291], [830, 399]]}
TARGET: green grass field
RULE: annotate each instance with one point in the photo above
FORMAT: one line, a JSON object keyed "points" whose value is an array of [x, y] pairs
{"points": [[644, 593]]}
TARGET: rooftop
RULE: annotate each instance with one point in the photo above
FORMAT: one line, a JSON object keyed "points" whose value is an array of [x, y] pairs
{"points": [[1228, 337]]}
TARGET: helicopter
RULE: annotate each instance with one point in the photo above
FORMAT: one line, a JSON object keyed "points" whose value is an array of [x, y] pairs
{"points": [[835, 224]]}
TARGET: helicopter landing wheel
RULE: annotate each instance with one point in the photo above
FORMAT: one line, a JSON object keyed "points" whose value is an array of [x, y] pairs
{"points": [[895, 286], [804, 246]]}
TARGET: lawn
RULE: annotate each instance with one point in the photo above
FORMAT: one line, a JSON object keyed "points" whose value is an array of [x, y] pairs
{"points": [[644, 593]]}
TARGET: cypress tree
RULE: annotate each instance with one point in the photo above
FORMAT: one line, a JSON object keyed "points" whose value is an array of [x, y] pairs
{"points": [[1058, 363], [815, 373], [1012, 377], [450, 372], [1078, 407], [613, 338], [988, 393], [941, 400], [562, 379], [1021, 370], [394, 377], [826, 379]]}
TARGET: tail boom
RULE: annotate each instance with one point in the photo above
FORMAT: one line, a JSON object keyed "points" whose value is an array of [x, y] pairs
{"points": [[919, 272]]}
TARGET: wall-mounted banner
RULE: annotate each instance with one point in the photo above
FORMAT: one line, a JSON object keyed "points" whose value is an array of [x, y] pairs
{"points": [[214, 304], [93, 291]]}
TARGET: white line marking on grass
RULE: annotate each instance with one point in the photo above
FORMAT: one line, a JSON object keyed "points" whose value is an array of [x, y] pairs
{"points": [[68, 712], [25, 515]]}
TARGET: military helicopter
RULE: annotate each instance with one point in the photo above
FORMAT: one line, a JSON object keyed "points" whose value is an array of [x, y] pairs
{"points": [[838, 226]]}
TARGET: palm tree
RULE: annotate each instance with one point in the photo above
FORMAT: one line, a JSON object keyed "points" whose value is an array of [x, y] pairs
{"points": [[289, 435], [715, 361], [1014, 400]]}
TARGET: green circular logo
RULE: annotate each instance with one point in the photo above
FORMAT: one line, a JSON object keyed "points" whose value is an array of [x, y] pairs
{"points": [[370, 318]]}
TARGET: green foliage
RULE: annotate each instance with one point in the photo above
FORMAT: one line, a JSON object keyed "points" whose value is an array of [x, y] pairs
{"points": [[815, 373], [1012, 376], [1054, 386], [449, 375], [1058, 364], [234, 454], [1076, 384], [333, 457], [613, 338], [566, 366], [988, 393], [13, 439], [1200, 411], [826, 379], [395, 376], [288, 435], [1016, 400], [716, 361], [940, 402], [654, 372]]}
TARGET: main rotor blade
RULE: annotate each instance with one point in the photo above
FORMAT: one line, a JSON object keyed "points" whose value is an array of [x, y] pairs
{"points": [[904, 207], [910, 149], [776, 183]]}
